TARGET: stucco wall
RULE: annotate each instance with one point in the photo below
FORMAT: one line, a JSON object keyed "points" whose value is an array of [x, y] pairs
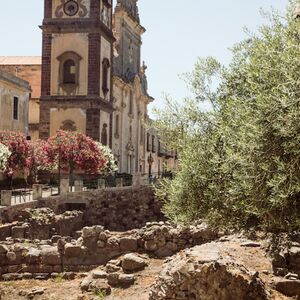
{"points": [[60, 115], [61, 43], [122, 94], [10, 88]]}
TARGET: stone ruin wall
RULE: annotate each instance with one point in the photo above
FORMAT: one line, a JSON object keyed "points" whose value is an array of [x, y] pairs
{"points": [[116, 209], [32, 233], [45, 242], [95, 246]]}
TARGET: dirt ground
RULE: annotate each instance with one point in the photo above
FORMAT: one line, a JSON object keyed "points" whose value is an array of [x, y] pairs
{"points": [[58, 289], [253, 258]]}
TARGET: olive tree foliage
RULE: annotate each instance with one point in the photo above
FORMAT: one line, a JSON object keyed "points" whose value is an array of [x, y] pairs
{"points": [[240, 160]]}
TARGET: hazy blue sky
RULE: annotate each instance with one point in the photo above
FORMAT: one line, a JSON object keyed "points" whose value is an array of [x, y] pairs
{"points": [[177, 33]]}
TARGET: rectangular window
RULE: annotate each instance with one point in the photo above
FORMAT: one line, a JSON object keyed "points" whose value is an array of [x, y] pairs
{"points": [[16, 108], [153, 143]]}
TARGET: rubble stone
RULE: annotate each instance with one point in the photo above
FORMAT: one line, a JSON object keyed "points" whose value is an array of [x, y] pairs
{"points": [[203, 273], [132, 263]]}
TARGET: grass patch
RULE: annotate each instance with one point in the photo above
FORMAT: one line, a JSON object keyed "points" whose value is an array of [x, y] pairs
{"points": [[59, 278], [100, 294]]}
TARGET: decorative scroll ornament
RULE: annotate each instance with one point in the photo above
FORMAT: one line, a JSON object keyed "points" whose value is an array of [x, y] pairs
{"points": [[71, 8]]}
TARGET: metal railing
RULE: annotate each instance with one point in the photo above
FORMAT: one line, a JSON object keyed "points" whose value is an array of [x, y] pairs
{"points": [[50, 190], [20, 196], [109, 181], [86, 183], [155, 177]]}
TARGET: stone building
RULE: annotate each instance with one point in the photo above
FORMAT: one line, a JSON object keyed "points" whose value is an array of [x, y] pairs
{"points": [[160, 160], [27, 68], [92, 79], [131, 96], [14, 99]]}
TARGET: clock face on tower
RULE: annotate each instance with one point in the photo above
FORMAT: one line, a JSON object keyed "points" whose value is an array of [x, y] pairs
{"points": [[71, 8]]}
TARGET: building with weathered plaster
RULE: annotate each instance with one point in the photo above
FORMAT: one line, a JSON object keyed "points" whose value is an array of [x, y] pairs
{"points": [[130, 90], [159, 159], [27, 68], [14, 102], [92, 80]]}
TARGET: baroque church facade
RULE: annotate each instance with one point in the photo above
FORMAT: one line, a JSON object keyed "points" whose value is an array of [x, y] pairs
{"points": [[130, 91], [94, 81]]}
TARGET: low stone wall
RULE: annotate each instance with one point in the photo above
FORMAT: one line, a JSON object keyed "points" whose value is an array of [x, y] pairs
{"points": [[114, 208], [96, 247], [42, 224]]}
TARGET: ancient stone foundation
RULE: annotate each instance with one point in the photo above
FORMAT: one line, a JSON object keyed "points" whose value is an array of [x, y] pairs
{"points": [[96, 246], [118, 238]]}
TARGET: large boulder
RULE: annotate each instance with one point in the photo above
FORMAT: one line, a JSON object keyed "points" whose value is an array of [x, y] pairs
{"points": [[120, 280], [132, 263]]}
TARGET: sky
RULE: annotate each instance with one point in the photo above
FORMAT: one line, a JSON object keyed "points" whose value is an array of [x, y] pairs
{"points": [[178, 32]]}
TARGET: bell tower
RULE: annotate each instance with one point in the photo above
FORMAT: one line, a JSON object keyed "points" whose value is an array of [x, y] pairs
{"points": [[76, 90]]}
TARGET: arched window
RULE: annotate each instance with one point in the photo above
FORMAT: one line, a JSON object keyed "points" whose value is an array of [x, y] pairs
{"points": [[69, 65], [105, 74], [69, 72]]}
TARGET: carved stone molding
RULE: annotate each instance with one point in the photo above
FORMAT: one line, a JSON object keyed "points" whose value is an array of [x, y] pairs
{"points": [[60, 10]]}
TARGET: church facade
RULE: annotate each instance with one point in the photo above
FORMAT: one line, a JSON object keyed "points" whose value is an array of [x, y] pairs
{"points": [[93, 81], [131, 96]]}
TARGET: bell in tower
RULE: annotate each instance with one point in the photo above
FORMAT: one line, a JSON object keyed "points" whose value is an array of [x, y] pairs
{"points": [[76, 67]]}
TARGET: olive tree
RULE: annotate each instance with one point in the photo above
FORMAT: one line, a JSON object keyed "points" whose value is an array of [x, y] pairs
{"points": [[240, 160]]}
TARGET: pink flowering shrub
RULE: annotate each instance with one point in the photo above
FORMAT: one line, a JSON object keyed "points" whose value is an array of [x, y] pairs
{"points": [[19, 148], [74, 151], [38, 159]]}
